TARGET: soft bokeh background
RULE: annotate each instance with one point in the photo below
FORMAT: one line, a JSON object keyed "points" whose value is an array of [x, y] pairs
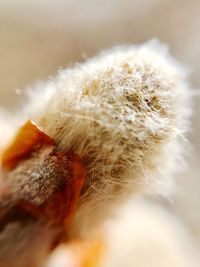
{"points": [[39, 36]]}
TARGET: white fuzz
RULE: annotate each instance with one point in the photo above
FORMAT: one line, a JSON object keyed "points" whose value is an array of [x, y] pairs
{"points": [[144, 234], [8, 124], [123, 112]]}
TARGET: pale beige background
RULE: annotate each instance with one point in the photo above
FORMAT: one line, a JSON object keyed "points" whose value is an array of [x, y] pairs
{"points": [[37, 37]]}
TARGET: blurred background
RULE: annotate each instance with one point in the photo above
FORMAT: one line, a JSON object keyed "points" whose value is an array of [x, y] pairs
{"points": [[39, 36]]}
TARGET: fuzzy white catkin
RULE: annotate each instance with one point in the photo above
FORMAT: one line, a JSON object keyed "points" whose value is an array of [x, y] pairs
{"points": [[144, 234], [124, 112]]}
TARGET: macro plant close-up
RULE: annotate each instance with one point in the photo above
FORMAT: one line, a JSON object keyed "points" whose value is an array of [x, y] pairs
{"points": [[99, 133]]}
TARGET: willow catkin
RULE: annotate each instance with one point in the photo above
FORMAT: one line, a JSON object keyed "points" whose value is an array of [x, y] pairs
{"points": [[124, 112]]}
